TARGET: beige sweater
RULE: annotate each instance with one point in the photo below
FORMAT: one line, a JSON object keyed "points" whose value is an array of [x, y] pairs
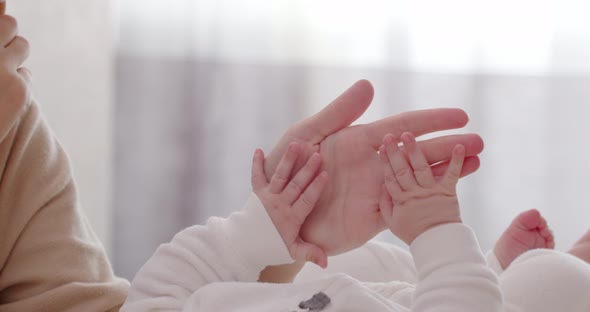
{"points": [[50, 259]]}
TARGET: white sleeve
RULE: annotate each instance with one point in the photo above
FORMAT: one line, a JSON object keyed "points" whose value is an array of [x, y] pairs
{"points": [[452, 272], [235, 249], [373, 262], [493, 262]]}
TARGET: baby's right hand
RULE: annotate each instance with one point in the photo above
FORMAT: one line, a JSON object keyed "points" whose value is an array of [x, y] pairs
{"points": [[14, 79], [288, 201], [413, 200]]}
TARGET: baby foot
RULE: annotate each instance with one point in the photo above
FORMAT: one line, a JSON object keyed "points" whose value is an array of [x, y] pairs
{"points": [[527, 231], [581, 248]]}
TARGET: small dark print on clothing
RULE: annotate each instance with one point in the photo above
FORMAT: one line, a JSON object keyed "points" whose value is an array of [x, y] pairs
{"points": [[317, 303]]}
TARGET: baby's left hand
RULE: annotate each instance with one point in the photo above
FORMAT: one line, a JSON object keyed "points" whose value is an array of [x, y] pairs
{"points": [[290, 197], [413, 200]]}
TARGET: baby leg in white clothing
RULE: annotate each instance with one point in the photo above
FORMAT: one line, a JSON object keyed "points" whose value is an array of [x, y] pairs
{"points": [[581, 248], [546, 280]]}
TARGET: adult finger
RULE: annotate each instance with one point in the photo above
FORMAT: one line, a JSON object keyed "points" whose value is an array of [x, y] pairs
{"points": [[440, 149], [17, 51], [340, 113], [25, 73], [337, 115], [2, 7], [418, 122], [8, 29]]}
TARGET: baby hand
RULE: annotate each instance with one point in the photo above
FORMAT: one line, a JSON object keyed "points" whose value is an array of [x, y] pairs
{"points": [[413, 200], [290, 197]]}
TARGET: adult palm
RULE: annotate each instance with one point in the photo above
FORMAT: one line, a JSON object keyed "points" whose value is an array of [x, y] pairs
{"points": [[347, 214]]}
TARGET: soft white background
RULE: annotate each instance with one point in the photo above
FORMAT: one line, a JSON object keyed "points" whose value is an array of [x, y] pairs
{"points": [[198, 84]]}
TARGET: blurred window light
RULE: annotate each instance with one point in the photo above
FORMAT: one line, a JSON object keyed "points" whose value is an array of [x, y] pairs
{"points": [[518, 36]]}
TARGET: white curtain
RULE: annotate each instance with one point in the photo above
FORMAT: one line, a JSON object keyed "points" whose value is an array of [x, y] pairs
{"points": [[201, 83]]}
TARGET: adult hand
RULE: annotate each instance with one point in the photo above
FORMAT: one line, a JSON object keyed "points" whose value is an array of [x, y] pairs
{"points": [[14, 80], [347, 214]]}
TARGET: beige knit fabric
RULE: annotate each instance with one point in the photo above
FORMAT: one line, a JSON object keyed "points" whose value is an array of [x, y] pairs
{"points": [[50, 259]]}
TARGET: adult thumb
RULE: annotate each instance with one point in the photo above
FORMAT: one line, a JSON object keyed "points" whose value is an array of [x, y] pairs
{"points": [[341, 112]]}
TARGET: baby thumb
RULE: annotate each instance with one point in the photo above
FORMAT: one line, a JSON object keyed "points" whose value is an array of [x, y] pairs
{"points": [[314, 254]]}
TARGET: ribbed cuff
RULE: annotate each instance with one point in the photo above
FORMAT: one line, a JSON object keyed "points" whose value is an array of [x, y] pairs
{"points": [[443, 245], [261, 244]]}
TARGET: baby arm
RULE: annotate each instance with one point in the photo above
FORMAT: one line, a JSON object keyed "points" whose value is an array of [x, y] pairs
{"points": [[263, 234], [423, 211]]}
